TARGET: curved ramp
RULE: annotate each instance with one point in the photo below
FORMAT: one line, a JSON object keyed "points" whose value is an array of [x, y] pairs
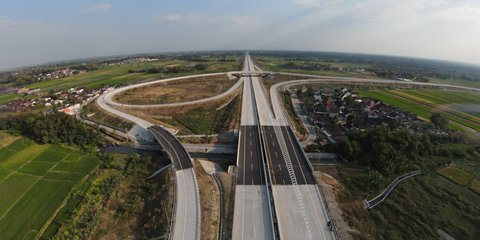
{"points": [[187, 204]]}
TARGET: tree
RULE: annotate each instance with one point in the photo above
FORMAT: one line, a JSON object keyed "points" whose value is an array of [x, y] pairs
{"points": [[439, 120]]}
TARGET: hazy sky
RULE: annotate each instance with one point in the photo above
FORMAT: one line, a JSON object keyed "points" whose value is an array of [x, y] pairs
{"points": [[33, 31]]}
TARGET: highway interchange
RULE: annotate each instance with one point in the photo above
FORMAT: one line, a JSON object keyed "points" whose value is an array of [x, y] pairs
{"points": [[276, 195]]}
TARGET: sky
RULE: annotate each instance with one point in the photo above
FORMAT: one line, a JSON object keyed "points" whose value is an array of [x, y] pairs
{"points": [[34, 32]]}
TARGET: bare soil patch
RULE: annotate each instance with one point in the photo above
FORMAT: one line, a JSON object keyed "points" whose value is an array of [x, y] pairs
{"points": [[209, 203], [330, 187], [177, 91]]}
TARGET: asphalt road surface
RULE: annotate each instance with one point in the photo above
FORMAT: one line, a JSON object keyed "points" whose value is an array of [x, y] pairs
{"points": [[178, 154], [277, 165], [250, 162], [252, 216]]}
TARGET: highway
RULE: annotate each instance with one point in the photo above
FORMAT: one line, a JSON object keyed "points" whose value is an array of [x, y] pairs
{"points": [[187, 202], [252, 214], [299, 207], [276, 193]]}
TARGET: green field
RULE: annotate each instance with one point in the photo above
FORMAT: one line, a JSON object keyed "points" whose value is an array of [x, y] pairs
{"points": [[423, 103], [475, 186], [4, 98], [119, 75], [34, 182], [275, 64], [457, 175]]}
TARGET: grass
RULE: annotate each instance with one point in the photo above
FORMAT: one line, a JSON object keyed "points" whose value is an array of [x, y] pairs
{"points": [[414, 210], [288, 106], [206, 120], [93, 112], [6, 139], [51, 155], [198, 121], [457, 175], [118, 75], [12, 189], [33, 210], [31, 191], [4, 174], [4, 98], [459, 82], [275, 64], [475, 186], [36, 168], [423, 103], [22, 157], [209, 202]]}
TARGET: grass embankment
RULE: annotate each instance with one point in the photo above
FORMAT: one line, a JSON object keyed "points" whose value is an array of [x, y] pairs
{"points": [[177, 91], [119, 75], [457, 175], [209, 202], [35, 180], [93, 112], [197, 119], [414, 210], [117, 201], [423, 103], [288, 106]]}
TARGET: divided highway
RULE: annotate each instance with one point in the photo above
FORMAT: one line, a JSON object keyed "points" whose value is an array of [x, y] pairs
{"points": [[276, 193], [299, 208], [252, 214]]}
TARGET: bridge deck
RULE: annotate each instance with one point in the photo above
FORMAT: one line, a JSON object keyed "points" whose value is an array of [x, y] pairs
{"points": [[173, 147]]}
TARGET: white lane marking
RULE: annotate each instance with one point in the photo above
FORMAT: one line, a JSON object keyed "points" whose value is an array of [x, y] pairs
{"points": [[308, 189], [171, 146]]}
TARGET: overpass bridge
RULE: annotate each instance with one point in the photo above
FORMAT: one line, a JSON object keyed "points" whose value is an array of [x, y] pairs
{"points": [[251, 73]]}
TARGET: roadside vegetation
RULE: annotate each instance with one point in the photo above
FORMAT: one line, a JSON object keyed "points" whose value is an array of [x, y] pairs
{"points": [[418, 207], [209, 118], [288, 106], [209, 202], [117, 201], [93, 112]]}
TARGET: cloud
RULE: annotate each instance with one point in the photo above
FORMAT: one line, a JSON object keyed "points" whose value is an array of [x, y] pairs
{"points": [[201, 19], [103, 7], [7, 24], [461, 14]]}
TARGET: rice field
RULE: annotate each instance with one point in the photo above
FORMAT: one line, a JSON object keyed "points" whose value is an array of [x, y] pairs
{"points": [[459, 107], [35, 181]]}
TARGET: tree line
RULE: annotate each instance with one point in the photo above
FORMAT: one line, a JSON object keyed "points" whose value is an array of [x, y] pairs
{"points": [[51, 128], [395, 151]]}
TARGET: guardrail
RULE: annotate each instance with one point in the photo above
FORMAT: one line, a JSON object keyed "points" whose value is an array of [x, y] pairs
{"points": [[174, 210], [222, 205], [378, 199], [319, 189]]}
